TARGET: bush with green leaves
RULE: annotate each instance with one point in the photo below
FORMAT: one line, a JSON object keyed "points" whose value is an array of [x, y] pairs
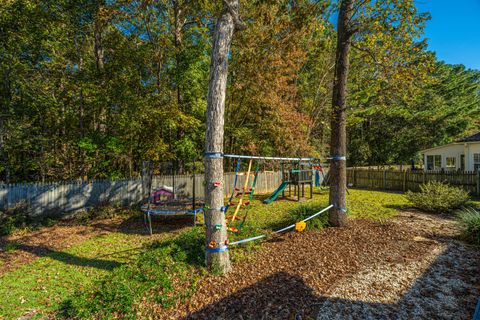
{"points": [[470, 221], [12, 219], [306, 210], [438, 197]]}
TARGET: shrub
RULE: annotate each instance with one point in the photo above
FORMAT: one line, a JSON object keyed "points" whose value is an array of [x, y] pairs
{"points": [[11, 220], [470, 222], [7, 225], [306, 210], [438, 197]]}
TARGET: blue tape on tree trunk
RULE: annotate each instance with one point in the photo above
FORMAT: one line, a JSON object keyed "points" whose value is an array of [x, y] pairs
{"points": [[344, 210], [338, 158], [222, 209], [220, 249], [476, 315], [213, 155]]}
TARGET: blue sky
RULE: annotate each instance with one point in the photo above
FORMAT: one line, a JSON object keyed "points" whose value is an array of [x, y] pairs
{"points": [[454, 30]]}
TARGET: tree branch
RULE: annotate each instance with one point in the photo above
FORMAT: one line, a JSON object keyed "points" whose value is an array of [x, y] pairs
{"points": [[238, 22]]}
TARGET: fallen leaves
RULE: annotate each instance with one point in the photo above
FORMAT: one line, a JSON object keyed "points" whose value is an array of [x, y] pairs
{"points": [[289, 278]]}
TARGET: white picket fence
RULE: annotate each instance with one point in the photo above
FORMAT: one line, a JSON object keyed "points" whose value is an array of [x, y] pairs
{"points": [[68, 197]]}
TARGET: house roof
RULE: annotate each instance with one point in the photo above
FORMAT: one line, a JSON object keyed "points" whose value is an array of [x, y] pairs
{"points": [[442, 146], [472, 138]]}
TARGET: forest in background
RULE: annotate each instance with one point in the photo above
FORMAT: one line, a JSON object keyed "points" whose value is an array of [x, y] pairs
{"points": [[91, 88]]}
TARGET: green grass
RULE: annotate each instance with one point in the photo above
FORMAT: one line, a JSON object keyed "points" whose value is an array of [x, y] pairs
{"points": [[163, 274], [374, 205], [11, 246], [110, 273], [45, 283], [474, 203]]}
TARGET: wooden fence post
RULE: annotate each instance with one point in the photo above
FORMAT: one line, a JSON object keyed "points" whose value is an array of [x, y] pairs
{"points": [[384, 179], [478, 183], [354, 177], [404, 180]]}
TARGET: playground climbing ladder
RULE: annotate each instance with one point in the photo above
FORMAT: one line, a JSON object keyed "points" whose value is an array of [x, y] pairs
{"points": [[240, 193]]}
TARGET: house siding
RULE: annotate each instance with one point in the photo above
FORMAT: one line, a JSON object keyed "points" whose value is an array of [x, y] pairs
{"points": [[454, 150], [472, 149]]}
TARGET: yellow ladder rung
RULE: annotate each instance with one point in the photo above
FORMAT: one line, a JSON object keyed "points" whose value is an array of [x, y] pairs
{"points": [[245, 174]]}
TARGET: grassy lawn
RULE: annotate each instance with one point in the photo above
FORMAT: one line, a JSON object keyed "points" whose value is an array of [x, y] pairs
{"points": [[475, 203], [113, 272], [43, 284]]}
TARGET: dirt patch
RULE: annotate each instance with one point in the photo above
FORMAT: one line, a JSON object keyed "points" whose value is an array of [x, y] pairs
{"points": [[411, 267]]}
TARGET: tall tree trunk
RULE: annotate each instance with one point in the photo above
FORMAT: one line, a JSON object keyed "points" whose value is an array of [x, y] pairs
{"points": [[338, 145], [98, 45], [5, 103], [177, 37], [81, 108], [218, 259], [3, 153], [100, 63]]}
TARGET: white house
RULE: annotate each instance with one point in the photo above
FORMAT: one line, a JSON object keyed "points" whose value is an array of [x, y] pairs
{"points": [[461, 155]]}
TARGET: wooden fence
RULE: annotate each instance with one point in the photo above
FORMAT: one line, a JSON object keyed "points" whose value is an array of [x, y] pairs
{"points": [[397, 180], [67, 197]]}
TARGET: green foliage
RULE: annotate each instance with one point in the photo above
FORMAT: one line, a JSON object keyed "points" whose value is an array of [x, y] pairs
{"points": [[306, 210], [438, 197], [68, 113], [164, 272], [11, 246], [7, 225], [436, 105], [13, 219], [470, 222]]}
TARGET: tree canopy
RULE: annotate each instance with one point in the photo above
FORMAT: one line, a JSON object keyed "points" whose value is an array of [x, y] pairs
{"points": [[91, 88]]}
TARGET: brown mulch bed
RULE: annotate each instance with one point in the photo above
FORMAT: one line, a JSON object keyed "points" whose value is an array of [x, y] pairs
{"points": [[411, 267]]}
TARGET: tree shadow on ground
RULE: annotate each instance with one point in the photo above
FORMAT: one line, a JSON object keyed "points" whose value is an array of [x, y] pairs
{"points": [[449, 216], [136, 225], [65, 257], [279, 296], [448, 289], [23, 249]]}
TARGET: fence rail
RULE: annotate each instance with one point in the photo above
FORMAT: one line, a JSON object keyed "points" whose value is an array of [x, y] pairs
{"points": [[67, 197], [39, 199], [404, 180]]}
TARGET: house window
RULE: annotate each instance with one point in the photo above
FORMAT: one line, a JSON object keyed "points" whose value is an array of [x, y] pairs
{"points": [[434, 162], [438, 161], [476, 161], [451, 163], [430, 164]]}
